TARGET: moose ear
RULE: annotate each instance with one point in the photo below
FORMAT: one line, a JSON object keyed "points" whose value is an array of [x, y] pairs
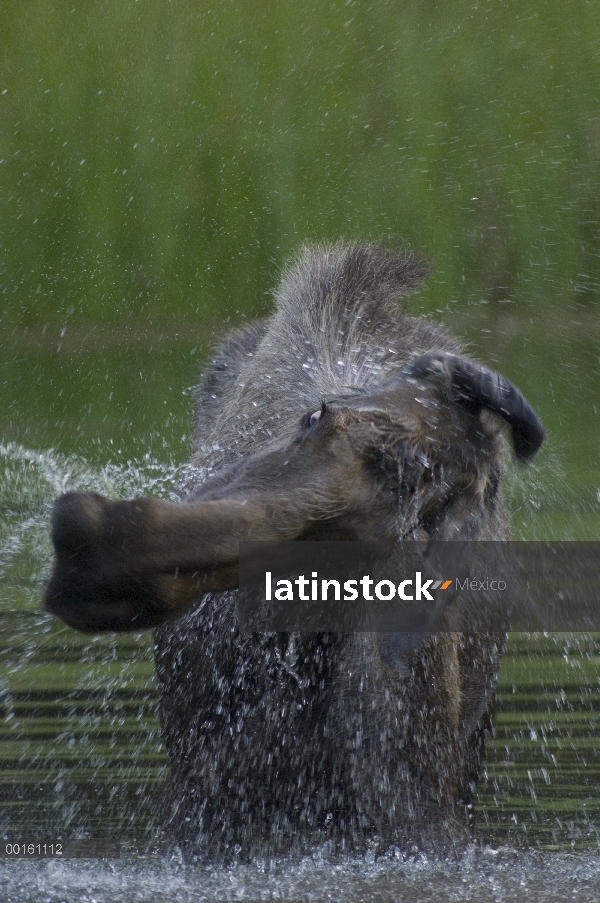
{"points": [[478, 388]]}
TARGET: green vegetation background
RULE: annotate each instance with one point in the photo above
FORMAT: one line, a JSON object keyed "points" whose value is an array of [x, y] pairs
{"points": [[160, 160]]}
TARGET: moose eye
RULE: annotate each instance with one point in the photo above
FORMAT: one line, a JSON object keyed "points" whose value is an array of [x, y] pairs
{"points": [[310, 420]]}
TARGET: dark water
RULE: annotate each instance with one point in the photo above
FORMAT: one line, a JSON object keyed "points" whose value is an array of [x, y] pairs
{"points": [[80, 748], [81, 753]]}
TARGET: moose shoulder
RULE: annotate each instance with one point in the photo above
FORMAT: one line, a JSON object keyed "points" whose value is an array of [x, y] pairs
{"points": [[339, 417]]}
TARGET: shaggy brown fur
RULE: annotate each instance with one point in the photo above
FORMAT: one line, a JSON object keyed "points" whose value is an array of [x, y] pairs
{"points": [[339, 417]]}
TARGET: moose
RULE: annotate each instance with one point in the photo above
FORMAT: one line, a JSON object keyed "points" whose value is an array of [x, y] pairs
{"points": [[340, 417]]}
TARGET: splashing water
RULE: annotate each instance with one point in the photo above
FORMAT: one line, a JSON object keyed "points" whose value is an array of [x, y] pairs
{"points": [[71, 704], [32, 480], [499, 876], [82, 756]]}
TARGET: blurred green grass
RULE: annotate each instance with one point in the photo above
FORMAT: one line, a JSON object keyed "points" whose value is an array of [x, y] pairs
{"points": [[157, 158], [160, 161]]}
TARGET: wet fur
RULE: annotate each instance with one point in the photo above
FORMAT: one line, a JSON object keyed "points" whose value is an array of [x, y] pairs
{"points": [[281, 742], [339, 417]]}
